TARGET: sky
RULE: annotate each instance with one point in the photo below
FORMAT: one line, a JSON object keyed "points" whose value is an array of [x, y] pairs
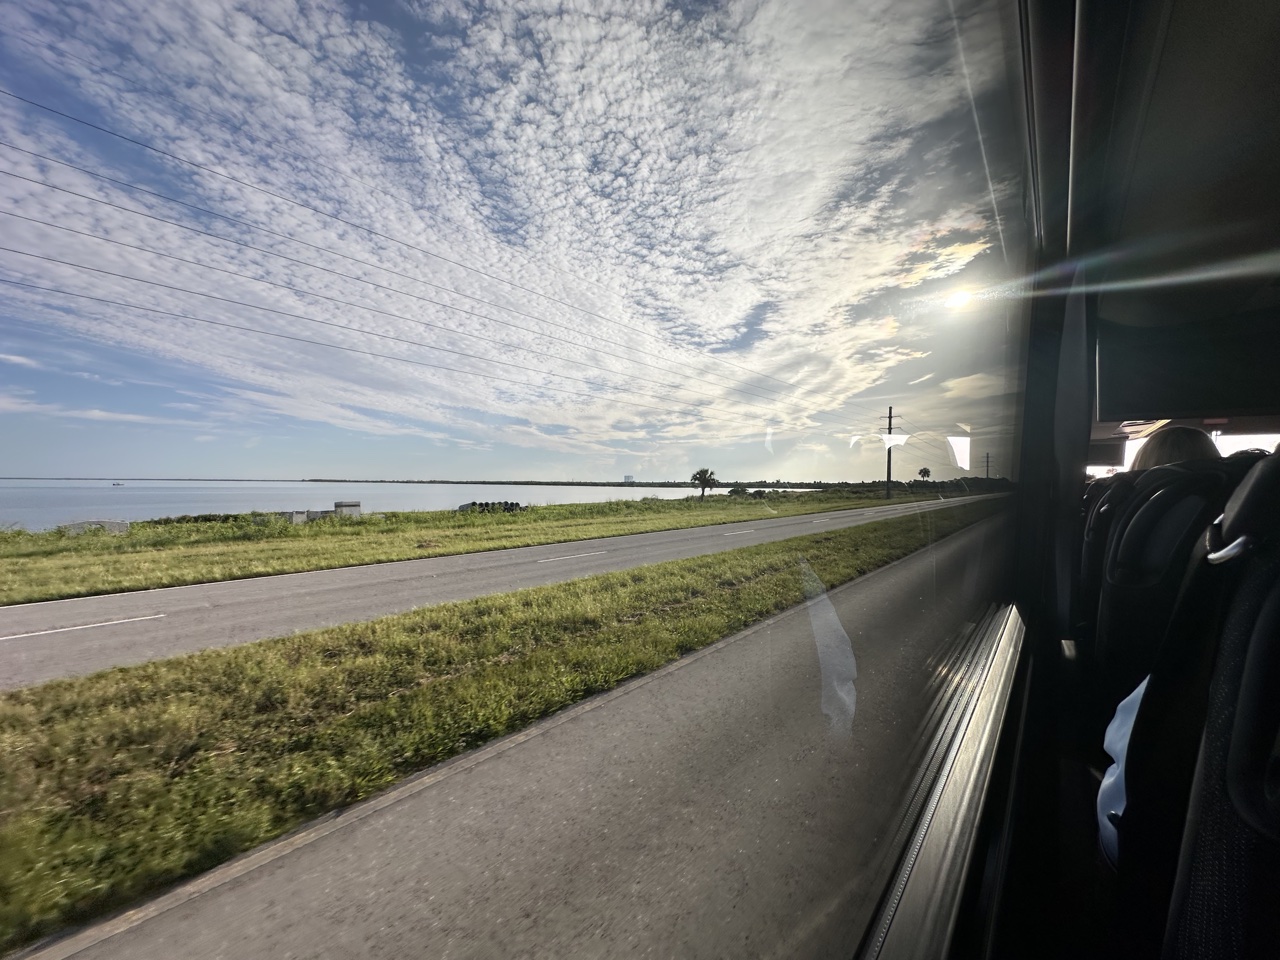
{"points": [[506, 240]]}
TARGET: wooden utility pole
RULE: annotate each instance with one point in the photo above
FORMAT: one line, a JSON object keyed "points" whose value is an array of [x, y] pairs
{"points": [[988, 463], [888, 459]]}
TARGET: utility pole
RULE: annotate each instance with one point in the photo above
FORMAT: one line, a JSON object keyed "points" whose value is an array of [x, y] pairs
{"points": [[888, 459], [988, 460]]}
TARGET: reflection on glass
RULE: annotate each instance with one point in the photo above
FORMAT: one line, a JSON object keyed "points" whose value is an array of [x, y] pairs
{"points": [[835, 655], [498, 242]]}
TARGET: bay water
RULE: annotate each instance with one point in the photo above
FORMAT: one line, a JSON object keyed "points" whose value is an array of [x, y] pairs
{"points": [[43, 504]]}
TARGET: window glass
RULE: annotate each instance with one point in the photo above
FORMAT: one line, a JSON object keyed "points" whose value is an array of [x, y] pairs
{"points": [[269, 269]]}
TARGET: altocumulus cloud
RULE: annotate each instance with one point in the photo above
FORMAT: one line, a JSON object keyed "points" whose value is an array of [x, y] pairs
{"points": [[596, 233]]}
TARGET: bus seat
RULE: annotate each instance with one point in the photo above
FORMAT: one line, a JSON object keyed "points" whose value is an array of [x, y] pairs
{"points": [[1224, 901], [1221, 596], [1104, 500], [1146, 557]]}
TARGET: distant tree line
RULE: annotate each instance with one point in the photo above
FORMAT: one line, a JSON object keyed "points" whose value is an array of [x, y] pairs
{"points": [[974, 484], [959, 485]]}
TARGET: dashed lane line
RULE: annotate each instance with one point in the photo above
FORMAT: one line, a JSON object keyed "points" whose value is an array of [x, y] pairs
{"points": [[83, 626]]}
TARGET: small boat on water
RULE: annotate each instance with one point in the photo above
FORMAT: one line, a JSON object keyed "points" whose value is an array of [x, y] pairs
{"points": [[117, 484]]}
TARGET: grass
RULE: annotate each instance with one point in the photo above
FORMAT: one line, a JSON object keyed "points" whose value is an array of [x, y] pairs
{"points": [[52, 565], [117, 784]]}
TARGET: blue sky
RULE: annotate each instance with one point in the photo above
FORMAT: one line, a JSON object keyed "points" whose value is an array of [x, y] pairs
{"points": [[502, 240]]}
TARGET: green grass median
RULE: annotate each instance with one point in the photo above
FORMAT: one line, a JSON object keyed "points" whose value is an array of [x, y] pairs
{"points": [[52, 565], [117, 784]]}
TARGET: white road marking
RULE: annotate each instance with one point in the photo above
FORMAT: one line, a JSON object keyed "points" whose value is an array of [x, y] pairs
{"points": [[736, 532], [574, 557], [83, 626], [823, 520]]}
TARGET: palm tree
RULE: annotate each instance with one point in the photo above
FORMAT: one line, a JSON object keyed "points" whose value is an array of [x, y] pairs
{"points": [[703, 479], [925, 473]]}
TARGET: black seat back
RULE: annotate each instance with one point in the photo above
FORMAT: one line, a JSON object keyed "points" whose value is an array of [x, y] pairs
{"points": [[1146, 557], [1104, 500], [1227, 896], [1217, 590]]}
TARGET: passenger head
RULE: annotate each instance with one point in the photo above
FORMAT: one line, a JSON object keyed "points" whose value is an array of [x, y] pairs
{"points": [[1173, 445]]}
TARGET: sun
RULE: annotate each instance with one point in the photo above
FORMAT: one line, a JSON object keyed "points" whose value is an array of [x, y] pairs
{"points": [[961, 298]]}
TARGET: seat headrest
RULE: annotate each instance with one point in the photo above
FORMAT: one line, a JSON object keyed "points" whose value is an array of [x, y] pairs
{"points": [[1254, 509], [1232, 468]]}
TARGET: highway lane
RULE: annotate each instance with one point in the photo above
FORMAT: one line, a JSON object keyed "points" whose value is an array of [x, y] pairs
{"points": [[733, 804], [61, 638]]}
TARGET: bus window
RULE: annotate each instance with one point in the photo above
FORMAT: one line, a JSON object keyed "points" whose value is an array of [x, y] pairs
{"points": [[664, 365]]}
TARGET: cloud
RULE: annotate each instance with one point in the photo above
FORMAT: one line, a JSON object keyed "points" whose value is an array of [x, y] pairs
{"points": [[21, 361], [568, 234], [11, 404], [927, 376], [976, 386], [97, 378]]}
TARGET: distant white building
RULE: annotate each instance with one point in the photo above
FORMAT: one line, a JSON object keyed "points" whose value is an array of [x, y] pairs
{"points": [[628, 478]]}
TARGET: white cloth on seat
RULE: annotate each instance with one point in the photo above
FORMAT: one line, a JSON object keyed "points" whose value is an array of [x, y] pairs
{"points": [[1111, 795]]}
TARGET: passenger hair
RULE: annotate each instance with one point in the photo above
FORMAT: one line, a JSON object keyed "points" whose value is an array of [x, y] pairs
{"points": [[1173, 445]]}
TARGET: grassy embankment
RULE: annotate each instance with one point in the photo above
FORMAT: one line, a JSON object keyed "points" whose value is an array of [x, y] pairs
{"points": [[116, 784], [52, 565]]}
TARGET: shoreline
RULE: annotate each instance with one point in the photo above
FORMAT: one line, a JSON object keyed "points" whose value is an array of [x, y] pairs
{"points": [[476, 483]]}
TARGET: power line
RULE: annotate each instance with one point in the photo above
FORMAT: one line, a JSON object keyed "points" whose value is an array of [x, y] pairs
{"points": [[356, 350], [306, 206], [919, 454], [888, 451], [376, 266], [183, 316], [329, 323], [888, 458], [229, 123], [917, 436], [358, 306], [372, 232], [928, 459], [921, 438], [376, 233], [358, 226], [284, 236]]}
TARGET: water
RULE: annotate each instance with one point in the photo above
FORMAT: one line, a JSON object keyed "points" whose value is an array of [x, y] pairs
{"points": [[43, 504]]}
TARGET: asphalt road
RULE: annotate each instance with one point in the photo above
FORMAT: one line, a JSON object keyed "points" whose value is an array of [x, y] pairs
{"points": [[62, 638], [733, 804]]}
